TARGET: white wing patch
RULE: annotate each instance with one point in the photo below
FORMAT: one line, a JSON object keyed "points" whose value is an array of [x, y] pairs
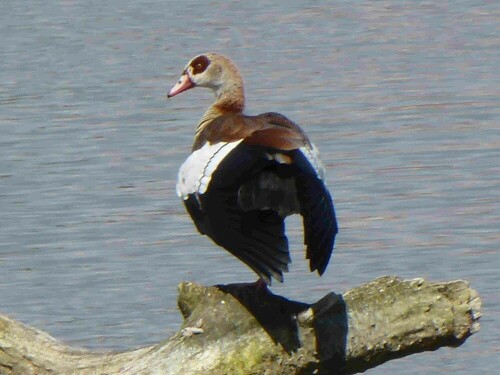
{"points": [[312, 155], [195, 173]]}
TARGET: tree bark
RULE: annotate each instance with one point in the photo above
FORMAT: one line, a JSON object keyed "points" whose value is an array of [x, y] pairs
{"points": [[240, 329]]}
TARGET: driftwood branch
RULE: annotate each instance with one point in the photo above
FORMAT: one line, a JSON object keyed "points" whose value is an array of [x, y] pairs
{"points": [[236, 329]]}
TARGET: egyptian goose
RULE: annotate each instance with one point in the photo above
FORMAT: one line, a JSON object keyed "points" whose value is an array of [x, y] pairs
{"points": [[247, 173]]}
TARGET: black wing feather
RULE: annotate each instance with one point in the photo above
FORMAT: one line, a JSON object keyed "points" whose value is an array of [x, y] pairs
{"points": [[316, 208]]}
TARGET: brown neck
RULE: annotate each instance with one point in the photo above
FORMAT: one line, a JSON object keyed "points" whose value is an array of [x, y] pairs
{"points": [[230, 96], [225, 106]]}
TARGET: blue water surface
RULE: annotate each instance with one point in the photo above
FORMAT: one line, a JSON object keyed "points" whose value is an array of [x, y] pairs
{"points": [[402, 98]]}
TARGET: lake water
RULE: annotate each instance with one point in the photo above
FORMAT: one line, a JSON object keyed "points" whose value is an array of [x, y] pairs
{"points": [[402, 98]]}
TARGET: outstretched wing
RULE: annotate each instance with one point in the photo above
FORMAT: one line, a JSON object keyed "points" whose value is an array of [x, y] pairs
{"points": [[254, 235]]}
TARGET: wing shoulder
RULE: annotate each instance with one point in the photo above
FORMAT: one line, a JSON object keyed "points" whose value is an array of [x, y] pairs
{"points": [[278, 132]]}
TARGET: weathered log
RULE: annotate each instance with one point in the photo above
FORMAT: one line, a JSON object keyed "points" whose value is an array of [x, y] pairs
{"points": [[238, 329]]}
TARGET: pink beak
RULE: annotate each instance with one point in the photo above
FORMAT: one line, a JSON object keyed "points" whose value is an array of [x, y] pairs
{"points": [[181, 86]]}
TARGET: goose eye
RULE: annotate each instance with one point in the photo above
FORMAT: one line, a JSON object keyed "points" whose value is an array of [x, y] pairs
{"points": [[200, 64]]}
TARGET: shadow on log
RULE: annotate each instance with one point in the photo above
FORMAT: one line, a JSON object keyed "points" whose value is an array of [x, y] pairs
{"points": [[236, 329]]}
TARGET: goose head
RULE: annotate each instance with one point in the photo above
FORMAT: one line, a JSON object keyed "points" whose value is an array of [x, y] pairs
{"points": [[213, 71]]}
